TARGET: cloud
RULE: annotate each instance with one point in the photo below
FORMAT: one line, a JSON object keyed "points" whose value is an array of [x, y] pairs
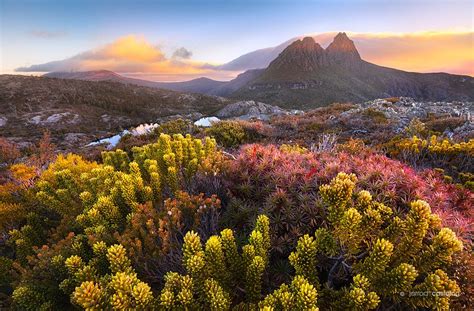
{"points": [[44, 34], [182, 53], [128, 54]]}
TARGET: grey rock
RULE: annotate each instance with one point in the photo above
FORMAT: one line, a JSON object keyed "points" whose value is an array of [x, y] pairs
{"points": [[400, 113], [73, 138], [250, 110]]}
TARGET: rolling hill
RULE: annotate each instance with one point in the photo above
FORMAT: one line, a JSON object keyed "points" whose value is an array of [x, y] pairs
{"points": [[77, 111], [199, 85]]}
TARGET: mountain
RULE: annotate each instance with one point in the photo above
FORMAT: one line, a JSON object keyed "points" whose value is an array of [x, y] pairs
{"points": [[305, 75], [304, 57], [199, 85], [377, 49]]}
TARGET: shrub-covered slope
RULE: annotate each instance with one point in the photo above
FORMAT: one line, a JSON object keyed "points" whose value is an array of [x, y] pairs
{"points": [[180, 224]]}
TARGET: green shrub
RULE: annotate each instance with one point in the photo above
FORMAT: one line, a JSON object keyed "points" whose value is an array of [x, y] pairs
{"points": [[217, 270], [441, 124], [228, 133], [178, 126], [364, 257]]}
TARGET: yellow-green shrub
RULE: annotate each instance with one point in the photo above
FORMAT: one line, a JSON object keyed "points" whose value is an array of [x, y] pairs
{"points": [[228, 133]]}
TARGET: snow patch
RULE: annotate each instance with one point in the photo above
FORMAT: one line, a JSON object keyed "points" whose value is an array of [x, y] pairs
{"points": [[113, 141], [143, 129], [35, 120], [3, 121], [207, 121]]}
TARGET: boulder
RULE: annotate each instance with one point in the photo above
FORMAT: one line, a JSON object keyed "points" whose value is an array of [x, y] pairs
{"points": [[249, 110]]}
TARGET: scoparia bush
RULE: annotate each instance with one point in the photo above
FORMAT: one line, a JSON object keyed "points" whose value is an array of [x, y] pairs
{"points": [[285, 186], [122, 200], [278, 183], [228, 133], [455, 158], [363, 257], [217, 273]]}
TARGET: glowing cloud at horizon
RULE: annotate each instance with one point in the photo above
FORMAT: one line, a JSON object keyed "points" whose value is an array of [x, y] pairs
{"points": [[129, 54], [451, 52]]}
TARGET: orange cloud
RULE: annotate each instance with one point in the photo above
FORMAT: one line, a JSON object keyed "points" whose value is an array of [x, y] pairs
{"points": [[128, 54], [133, 48], [451, 52]]}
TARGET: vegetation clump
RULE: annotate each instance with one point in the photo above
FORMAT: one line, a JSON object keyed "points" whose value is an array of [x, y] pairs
{"points": [[178, 224], [228, 133]]}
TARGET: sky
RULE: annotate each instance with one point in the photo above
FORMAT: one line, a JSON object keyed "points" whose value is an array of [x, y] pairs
{"points": [[175, 40]]}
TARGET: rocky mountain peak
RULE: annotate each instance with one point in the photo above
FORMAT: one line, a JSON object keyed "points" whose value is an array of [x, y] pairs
{"points": [[306, 55], [307, 44], [342, 49], [302, 55]]}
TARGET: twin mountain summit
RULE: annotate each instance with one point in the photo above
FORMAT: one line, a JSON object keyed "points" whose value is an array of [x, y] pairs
{"points": [[305, 75]]}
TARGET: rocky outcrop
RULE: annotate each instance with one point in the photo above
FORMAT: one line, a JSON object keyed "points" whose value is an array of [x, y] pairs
{"points": [[400, 111], [250, 110]]}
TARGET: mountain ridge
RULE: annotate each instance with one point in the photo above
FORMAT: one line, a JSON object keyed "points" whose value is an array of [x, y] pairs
{"points": [[305, 75]]}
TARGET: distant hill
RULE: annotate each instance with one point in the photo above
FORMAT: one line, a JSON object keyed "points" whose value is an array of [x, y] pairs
{"points": [[305, 75], [78, 111], [228, 88], [199, 85]]}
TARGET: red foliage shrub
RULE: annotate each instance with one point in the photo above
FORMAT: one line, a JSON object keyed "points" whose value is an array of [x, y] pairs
{"points": [[264, 179], [397, 184], [285, 186], [44, 153], [8, 151]]}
